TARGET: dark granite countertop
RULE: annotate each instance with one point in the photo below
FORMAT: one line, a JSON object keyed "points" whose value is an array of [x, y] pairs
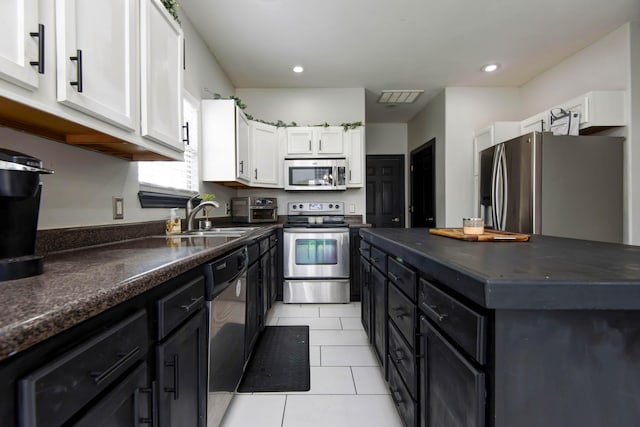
{"points": [[81, 283], [544, 273]]}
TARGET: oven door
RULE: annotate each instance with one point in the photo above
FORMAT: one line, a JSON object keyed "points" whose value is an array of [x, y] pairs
{"points": [[316, 253]]}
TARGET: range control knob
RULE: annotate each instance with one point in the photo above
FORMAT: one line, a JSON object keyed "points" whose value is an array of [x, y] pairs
{"points": [[337, 206], [300, 205], [330, 206], [294, 207]]}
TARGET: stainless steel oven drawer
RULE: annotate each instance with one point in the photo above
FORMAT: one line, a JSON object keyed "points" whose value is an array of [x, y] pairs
{"points": [[316, 291]]}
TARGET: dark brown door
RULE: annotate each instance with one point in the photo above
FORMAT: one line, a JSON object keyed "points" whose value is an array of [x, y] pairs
{"points": [[423, 185], [385, 190]]}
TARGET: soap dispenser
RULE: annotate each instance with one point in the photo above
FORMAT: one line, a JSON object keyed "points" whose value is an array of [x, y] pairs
{"points": [[173, 224]]}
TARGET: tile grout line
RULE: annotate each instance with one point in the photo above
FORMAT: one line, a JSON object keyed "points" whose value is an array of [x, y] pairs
{"points": [[353, 379]]}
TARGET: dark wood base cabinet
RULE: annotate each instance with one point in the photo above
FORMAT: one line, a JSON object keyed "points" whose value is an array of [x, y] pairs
{"points": [[182, 374], [453, 362]]}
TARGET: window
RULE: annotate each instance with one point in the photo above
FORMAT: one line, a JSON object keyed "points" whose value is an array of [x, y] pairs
{"points": [[169, 184]]}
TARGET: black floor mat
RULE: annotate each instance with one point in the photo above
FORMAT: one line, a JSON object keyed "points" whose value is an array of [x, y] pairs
{"points": [[280, 361]]}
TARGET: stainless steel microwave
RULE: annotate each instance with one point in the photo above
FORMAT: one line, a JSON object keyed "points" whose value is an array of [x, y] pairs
{"points": [[315, 174]]}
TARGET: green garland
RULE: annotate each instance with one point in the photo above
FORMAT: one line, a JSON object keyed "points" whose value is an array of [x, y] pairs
{"points": [[280, 123], [172, 8]]}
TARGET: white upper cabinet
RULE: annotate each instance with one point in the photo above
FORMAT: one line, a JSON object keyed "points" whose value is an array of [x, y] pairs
{"points": [[161, 75], [354, 141], [243, 162], [96, 47], [266, 161], [225, 142], [315, 141], [21, 43]]}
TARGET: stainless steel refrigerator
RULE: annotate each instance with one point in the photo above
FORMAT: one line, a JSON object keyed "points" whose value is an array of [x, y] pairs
{"points": [[568, 186]]}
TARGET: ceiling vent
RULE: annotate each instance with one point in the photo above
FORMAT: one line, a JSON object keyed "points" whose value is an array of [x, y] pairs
{"points": [[399, 96]]}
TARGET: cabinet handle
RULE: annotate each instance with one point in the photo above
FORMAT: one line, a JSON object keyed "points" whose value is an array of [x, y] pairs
{"points": [[40, 35], [309, 145], [185, 127], [256, 173], [100, 376], [176, 377], [320, 144], [433, 309], [399, 312], [194, 302], [241, 167], [350, 178], [152, 405], [78, 59], [394, 277], [399, 356]]}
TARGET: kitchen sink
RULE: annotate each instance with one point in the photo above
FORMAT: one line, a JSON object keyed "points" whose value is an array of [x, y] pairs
{"points": [[226, 231]]}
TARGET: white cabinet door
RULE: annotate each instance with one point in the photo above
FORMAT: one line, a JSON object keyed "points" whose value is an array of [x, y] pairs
{"points": [[300, 140], [354, 141], [20, 38], [243, 166], [265, 156], [96, 49], [161, 75], [330, 141]]}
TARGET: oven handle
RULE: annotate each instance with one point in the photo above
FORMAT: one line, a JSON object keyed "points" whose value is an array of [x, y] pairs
{"points": [[316, 230]]}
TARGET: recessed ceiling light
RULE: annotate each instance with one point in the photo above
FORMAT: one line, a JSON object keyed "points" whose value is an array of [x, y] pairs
{"points": [[298, 69], [490, 68]]}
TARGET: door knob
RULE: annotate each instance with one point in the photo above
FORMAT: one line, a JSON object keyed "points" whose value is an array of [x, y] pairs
{"points": [[395, 220], [430, 219]]}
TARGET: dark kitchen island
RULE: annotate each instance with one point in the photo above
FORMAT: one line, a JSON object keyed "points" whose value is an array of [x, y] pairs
{"points": [[540, 333]]}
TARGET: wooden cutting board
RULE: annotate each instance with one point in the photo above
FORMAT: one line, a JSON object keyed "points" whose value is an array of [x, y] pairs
{"points": [[487, 236]]}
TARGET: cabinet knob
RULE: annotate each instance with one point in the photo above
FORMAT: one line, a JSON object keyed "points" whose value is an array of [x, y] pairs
{"points": [[396, 219]]}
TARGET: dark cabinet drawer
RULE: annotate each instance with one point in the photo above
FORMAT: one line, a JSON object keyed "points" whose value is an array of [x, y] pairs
{"points": [[253, 252], [407, 407], [179, 305], [466, 327], [404, 359], [378, 260], [403, 277], [130, 403], [55, 392], [273, 240], [403, 313]]}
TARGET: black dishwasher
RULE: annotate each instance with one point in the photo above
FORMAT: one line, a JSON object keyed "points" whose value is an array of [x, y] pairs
{"points": [[226, 294]]}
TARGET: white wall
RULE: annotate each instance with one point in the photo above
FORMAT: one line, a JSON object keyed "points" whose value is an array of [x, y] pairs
{"points": [[308, 107], [81, 190], [429, 123], [468, 109]]}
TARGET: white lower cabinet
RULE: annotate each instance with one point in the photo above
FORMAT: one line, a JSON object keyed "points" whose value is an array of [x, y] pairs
{"points": [[160, 75], [96, 49]]}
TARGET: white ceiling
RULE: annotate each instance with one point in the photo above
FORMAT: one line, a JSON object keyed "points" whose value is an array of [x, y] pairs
{"points": [[398, 44]]}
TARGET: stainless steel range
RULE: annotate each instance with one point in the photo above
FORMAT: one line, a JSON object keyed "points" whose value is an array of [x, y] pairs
{"points": [[316, 253]]}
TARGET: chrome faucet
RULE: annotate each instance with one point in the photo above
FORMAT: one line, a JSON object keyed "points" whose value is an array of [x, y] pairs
{"points": [[192, 212]]}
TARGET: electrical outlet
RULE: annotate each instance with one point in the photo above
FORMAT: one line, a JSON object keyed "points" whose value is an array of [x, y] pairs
{"points": [[352, 208], [118, 208]]}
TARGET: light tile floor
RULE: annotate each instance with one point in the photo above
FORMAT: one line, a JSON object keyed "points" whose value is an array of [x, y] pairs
{"points": [[347, 386]]}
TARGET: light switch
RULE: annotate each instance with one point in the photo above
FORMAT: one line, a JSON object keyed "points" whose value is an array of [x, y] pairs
{"points": [[118, 208]]}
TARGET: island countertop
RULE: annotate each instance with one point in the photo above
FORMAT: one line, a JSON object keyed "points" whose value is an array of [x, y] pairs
{"points": [[81, 283], [543, 273]]}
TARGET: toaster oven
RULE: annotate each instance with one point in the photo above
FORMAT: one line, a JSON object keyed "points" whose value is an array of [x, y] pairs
{"points": [[252, 209]]}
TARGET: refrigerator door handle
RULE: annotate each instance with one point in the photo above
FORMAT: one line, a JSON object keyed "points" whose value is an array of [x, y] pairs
{"points": [[504, 190], [494, 188]]}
